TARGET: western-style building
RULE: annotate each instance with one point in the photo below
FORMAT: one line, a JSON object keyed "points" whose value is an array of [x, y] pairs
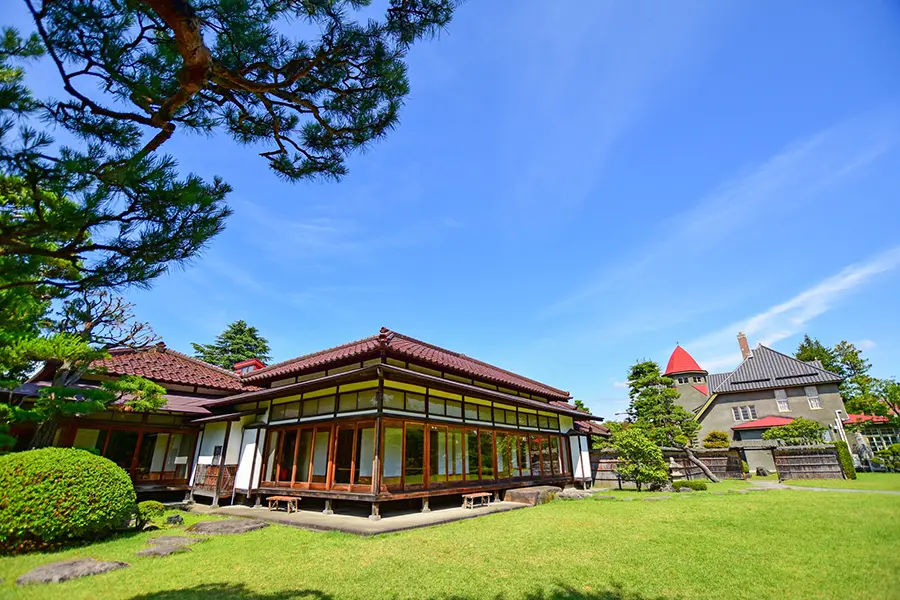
{"points": [[384, 418]]}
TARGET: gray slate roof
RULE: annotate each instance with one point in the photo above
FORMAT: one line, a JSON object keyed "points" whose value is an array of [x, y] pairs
{"points": [[768, 369]]}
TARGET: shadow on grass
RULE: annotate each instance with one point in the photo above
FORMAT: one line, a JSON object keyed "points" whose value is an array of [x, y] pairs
{"points": [[558, 592]]}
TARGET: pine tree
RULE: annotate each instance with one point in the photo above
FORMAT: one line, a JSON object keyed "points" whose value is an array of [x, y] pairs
{"points": [[811, 349], [112, 207], [653, 409], [237, 343]]}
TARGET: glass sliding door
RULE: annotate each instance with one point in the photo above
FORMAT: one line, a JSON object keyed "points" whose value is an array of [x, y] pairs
{"points": [[121, 446], [285, 471], [321, 440], [304, 455], [365, 454], [343, 455], [524, 462], [437, 456], [472, 455], [393, 456], [151, 455], [414, 456], [456, 452], [487, 455]]}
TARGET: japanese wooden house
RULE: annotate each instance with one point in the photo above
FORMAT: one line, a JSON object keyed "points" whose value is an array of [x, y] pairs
{"points": [[384, 418]]}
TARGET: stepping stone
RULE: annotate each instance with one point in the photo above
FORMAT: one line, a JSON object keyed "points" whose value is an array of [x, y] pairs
{"points": [[228, 527], [652, 498], [604, 497], [757, 489], [573, 494], [174, 540], [538, 494], [163, 550], [68, 569]]}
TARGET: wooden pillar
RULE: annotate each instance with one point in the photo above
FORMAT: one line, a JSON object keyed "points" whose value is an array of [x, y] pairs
{"points": [[195, 458], [215, 501]]}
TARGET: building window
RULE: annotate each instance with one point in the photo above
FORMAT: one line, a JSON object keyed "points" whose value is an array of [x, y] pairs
{"points": [[812, 395], [782, 400], [683, 379], [743, 413], [698, 379]]}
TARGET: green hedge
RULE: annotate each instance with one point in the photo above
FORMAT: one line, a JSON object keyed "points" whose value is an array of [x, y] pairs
{"points": [[55, 496], [846, 459], [697, 486]]}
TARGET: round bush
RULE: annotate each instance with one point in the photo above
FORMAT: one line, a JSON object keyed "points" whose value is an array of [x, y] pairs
{"points": [[150, 510], [54, 496]]}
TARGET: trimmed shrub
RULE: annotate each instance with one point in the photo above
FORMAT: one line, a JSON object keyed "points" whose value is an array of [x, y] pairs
{"points": [[55, 496], [697, 486], [846, 459], [889, 457], [149, 511], [716, 439], [745, 467]]}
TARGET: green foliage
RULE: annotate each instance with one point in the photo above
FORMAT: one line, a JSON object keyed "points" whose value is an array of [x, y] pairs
{"points": [[55, 496], [811, 349], [716, 439], [580, 405], [109, 209], [889, 457], [745, 467], [846, 459], [237, 343], [697, 486], [653, 407], [800, 431], [150, 511], [640, 460]]}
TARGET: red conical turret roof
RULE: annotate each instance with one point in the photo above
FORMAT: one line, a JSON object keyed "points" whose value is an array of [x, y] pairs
{"points": [[682, 362]]}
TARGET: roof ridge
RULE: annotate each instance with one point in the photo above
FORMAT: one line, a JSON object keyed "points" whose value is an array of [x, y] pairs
{"points": [[480, 362], [721, 383], [305, 356], [161, 347], [794, 358]]}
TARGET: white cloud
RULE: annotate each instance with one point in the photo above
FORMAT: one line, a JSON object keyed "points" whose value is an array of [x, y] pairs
{"points": [[719, 349], [865, 344], [786, 181], [620, 384]]}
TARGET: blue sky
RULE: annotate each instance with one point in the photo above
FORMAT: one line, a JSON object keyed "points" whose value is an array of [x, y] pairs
{"points": [[574, 186]]}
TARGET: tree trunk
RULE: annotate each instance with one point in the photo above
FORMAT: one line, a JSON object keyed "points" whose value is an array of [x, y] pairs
{"points": [[44, 434], [699, 463]]}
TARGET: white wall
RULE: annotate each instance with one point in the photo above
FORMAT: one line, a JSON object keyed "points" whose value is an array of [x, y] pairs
{"points": [[213, 435], [581, 459], [251, 459]]}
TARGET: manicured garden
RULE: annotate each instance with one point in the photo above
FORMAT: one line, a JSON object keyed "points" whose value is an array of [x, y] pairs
{"points": [[766, 544]]}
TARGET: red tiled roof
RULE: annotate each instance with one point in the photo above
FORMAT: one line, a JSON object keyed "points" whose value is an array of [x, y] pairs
{"points": [[591, 427], [682, 362], [164, 365], [765, 423], [398, 345], [702, 389], [852, 419]]}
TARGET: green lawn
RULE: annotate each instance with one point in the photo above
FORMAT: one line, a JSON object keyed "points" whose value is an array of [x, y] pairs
{"points": [[863, 481], [771, 544]]}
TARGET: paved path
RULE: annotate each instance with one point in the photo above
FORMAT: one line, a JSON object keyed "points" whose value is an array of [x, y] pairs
{"points": [[781, 486]]}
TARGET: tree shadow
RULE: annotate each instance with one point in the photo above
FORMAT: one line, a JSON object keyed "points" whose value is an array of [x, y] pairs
{"points": [[217, 591]]}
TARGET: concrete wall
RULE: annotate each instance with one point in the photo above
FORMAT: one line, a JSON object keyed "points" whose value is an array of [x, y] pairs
{"points": [[719, 415], [691, 398], [761, 457]]}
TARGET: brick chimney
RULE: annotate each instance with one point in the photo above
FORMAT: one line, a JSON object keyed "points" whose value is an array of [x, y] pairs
{"points": [[248, 366], [745, 347]]}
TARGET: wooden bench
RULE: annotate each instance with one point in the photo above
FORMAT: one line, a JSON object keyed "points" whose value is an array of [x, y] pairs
{"points": [[290, 502], [469, 499]]}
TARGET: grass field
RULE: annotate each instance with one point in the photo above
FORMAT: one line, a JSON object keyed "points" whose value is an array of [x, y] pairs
{"points": [[769, 544], [863, 481]]}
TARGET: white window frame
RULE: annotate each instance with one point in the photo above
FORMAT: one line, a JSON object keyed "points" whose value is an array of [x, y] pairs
{"points": [[746, 412], [812, 396], [736, 413], [781, 399]]}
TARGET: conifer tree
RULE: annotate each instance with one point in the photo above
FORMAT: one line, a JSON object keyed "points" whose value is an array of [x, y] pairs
{"points": [[237, 343]]}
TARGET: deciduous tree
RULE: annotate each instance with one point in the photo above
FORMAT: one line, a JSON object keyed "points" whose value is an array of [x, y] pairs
{"points": [[640, 459]]}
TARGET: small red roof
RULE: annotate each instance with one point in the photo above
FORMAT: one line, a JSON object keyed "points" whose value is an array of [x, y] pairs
{"points": [[702, 389], [682, 362], [851, 419], [765, 423]]}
